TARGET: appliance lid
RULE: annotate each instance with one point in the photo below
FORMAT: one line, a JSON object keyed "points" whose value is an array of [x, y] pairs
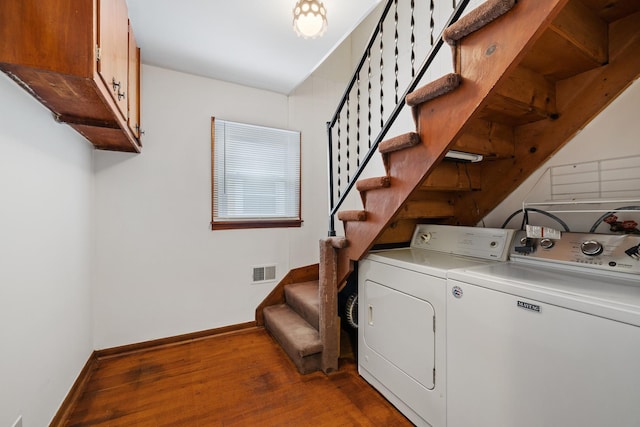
{"points": [[426, 262], [616, 298]]}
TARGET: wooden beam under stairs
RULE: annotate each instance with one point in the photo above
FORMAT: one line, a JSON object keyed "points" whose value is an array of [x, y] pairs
{"points": [[437, 205], [525, 96], [452, 176], [492, 140], [579, 99]]}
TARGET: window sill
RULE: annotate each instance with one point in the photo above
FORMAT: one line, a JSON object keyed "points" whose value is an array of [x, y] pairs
{"points": [[237, 225]]}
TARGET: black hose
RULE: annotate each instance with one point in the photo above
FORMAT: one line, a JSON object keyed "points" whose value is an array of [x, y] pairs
{"points": [[525, 218]]}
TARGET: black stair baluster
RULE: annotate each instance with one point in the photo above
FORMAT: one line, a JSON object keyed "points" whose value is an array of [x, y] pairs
{"points": [[413, 39], [381, 74], [431, 20], [339, 157], [369, 100], [395, 39], [358, 121], [347, 142]]}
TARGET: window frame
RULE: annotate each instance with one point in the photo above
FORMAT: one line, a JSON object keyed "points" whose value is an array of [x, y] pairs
{"points": [[253, 222]]}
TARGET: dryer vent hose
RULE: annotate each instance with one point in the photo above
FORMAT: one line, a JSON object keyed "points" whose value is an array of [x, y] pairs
{"points": [[351, 311]]}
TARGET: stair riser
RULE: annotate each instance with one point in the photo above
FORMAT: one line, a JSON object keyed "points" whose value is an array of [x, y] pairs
{"points": [[296, 337], [307, 308]]}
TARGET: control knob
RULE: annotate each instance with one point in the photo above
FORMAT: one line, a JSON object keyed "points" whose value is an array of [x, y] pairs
{"points": [[547, 243], [591, 248]]}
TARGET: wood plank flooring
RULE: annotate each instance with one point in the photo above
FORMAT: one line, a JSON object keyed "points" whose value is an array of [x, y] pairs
{"points": [[237, 379]]}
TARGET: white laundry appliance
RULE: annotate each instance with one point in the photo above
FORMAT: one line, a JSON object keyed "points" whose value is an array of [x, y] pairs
{"points": [[401, 314], [550, 338]]}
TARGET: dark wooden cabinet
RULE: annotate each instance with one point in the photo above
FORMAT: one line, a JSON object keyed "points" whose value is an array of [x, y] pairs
{"points": [[113, 42], [79, 59]]}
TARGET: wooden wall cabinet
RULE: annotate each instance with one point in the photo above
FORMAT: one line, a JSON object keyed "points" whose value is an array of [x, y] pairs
{"points": [[79, 58]]}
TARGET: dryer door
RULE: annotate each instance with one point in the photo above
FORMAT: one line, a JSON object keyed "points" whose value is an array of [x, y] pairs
{"points": [[399, 327]]}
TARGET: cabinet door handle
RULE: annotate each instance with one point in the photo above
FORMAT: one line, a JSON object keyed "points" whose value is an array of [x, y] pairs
{"points": [[370, 315], [120, 95], [116, 85]]}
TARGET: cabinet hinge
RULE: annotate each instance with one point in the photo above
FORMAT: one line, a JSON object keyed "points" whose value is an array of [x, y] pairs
{"points": [[98, 51]]}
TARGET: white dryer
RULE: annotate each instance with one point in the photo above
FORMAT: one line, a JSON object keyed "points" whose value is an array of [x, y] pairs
{"points": [[402, 312]]}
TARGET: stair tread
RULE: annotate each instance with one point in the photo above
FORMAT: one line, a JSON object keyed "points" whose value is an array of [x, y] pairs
{"points": [[476, 19], [374, 183], [304, 299], [338, 242], [399, 142], [352, 215], [296, 336], [434, 89]]}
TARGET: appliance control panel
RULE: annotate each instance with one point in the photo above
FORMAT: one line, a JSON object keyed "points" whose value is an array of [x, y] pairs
{"points": [[485, 243], [607, 252]]}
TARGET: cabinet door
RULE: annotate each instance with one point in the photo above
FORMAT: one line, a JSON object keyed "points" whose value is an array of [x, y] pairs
{"points": [[113, 40], [134, 85]]}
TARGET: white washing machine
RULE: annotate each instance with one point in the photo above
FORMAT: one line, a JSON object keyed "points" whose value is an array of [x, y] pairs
{"points": [[401, 314], [550, 338]]}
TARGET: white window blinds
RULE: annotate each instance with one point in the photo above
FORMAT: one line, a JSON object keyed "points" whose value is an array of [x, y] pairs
{"points": [[256, 173]]}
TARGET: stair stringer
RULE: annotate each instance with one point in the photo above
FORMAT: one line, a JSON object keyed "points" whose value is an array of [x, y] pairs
{"points": [[486, 58]]}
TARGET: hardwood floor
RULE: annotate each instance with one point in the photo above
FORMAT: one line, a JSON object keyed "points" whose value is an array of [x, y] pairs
{"points": [[237, 379]]}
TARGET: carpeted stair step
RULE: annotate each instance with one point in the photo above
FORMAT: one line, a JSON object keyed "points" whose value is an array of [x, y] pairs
{"points": [[298, 338], [375, 183], [436, 88], [304, 299], [476, 19], [352, 215], [399, 142], [338, 242]]}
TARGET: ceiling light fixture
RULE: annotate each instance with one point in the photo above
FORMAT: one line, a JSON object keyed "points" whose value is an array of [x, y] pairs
{"points": [[309, 19]]}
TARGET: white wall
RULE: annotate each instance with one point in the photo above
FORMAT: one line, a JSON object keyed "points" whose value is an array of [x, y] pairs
{"points": [[611, 134], [45, 258], [160, 270]]}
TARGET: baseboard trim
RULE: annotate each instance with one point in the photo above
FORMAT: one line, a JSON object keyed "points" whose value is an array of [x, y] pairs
{"points": [[174, 340], [78, 387]]}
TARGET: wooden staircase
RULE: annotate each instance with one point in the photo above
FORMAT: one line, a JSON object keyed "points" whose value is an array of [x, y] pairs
{"points": [[526, 77]]}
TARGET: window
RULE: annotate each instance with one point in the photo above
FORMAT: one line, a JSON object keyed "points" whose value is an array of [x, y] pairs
{"points": [[256, 176]]}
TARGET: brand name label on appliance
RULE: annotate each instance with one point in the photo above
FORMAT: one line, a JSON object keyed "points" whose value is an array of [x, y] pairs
{"points": [[529, 306]]}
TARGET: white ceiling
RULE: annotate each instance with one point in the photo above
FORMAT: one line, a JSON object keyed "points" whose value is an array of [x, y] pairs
{"points": [[249, 42]]}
